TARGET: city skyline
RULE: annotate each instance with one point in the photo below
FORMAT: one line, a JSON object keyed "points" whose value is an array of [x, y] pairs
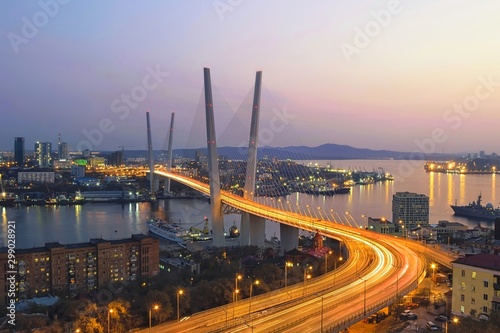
{"points": [[372, 74]]}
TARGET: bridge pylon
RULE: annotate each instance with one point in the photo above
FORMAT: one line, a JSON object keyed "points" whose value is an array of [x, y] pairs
{"points": [[253, 227], [213, 166], [166, 189]]}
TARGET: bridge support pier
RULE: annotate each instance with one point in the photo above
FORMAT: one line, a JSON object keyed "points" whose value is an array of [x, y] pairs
{"points": [[289, 238], [253, 230]]}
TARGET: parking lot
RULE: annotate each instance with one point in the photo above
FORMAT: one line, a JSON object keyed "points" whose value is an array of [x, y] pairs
{"points": [[424, 314]]}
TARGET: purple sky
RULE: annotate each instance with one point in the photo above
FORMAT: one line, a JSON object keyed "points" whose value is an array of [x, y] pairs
{"points": [[400, 75]]}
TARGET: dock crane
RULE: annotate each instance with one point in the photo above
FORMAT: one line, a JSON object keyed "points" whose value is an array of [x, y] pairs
{"points": [[198, 234]]}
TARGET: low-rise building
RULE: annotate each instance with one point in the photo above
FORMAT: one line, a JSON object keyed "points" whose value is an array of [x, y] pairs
{"points": [[383, 226], [35, 177], [476, 285], [76, 268]]}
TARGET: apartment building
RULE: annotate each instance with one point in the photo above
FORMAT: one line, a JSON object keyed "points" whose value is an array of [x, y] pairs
{"points": [[476, 285], [80, 268]]}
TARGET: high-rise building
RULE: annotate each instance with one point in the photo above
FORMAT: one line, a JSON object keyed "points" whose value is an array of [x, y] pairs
{"points": [[63, 153], [19, 151], [410, 210], [43, 154]]}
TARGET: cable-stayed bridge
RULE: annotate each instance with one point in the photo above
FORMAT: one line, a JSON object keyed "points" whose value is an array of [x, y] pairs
{"points": [[380, 269]]}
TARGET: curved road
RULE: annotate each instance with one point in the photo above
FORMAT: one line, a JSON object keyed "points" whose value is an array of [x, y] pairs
{"points": [[380, 269]]}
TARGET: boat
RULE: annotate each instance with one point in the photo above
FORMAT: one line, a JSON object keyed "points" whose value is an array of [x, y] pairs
{"points": [[196, 234], [171, 231], [476, 210], [7, 201], [329, 191]]}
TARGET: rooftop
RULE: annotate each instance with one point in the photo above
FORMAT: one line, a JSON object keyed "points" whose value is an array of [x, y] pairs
{"points": [[482, 260]]}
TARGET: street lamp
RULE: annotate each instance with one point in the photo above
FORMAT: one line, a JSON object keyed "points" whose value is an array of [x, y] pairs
{"points": [[326, 260], [238, 277], [287, 264], [306, 277], [179, 293], [335, 269], [235, 296], [109, 311], [454, 320], [433, 266], [250, 299], [156, 307]]}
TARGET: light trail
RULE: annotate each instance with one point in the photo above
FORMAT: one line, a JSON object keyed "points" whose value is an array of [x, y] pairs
{"points": [[384, 262]]}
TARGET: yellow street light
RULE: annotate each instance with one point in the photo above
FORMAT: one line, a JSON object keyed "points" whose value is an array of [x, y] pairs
{"points": [[179, 293], [109, 311], [155, 307]]}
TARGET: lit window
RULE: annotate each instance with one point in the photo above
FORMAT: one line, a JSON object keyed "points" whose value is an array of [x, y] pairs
{"points": [[473, 275]]}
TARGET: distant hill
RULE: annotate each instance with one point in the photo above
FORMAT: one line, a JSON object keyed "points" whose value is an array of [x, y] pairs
{"points": [[329, 151]]}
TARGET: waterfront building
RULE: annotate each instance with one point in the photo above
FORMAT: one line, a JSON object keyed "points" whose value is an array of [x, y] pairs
{"points": [[382, 226], [43, 154], [80, 268], [446, 229], [36, 177], [410, 210], [179, 265], [19, 151], [476, 285]]}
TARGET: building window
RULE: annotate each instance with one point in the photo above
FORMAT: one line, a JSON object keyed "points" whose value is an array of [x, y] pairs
{"points": [[463, 273], [485, 309], [472, 288], [472, 300], [473, 275], [485, 284], [463, 285], [485, 297], [462, 309], [462, 298]]}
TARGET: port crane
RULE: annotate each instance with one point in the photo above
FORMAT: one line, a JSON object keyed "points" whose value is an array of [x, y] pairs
{"points": [[200, 234]]}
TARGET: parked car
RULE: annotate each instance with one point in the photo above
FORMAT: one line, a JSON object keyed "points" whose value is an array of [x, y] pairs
{"points": [[412, 316], [431, 326], [441, 318]]}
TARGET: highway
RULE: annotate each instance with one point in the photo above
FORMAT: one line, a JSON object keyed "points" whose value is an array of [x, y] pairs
{"points": [[379, 270]]}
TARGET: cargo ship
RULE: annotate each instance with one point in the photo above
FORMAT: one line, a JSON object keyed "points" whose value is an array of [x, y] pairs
{"points": [[476, 210]]}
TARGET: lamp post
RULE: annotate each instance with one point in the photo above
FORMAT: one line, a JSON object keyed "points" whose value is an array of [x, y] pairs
{"points": [[306, 277], [454, 320], [250, 299], [433, 266], [109, 311], [156, 307], [179, 293], [238, 277], [326, 260], [335, 269], [287, 264]]}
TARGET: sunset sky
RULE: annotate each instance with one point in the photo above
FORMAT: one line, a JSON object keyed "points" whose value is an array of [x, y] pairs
{"points": [[399, 75]]}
